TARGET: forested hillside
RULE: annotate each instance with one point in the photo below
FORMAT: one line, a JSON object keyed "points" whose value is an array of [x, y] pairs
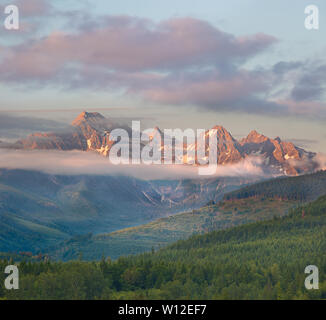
{"points": [[262, 260], [165, 231], [302, 188]]}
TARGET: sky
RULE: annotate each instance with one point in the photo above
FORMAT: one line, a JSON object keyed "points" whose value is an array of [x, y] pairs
{"points": [[243, 64]]}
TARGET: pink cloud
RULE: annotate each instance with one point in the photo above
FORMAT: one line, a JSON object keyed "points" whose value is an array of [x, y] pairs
{"points": [[33, 7], [176, 61], [209, 89], [304, 108], [77, 162], [132, 44]]}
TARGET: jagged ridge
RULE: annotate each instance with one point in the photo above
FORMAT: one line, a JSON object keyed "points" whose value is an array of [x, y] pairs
{"points": [[91, 132]]}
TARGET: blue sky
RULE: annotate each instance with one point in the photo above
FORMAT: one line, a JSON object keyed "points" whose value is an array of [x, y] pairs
{"points": [[277, 79], [283, 19]]}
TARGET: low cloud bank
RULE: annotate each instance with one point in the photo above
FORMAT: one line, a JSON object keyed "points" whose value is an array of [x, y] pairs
{"points": [[77, 162], [321, 160]]}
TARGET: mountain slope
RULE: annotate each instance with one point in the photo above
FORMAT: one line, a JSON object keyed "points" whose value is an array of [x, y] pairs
{"points": [[302, 188], [232, 211], [167, 230], [38, 209]]}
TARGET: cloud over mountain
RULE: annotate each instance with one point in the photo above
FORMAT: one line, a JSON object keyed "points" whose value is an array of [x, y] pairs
{"points": [[179, 61], [133, 44]]}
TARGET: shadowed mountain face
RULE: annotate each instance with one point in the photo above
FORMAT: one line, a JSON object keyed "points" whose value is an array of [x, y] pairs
{"points": [[91, 132]]}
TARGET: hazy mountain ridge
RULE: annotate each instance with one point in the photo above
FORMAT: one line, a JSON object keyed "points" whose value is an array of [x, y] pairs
{"points": [[38, 209], [164, 231], [237, 207], [303, 188]]}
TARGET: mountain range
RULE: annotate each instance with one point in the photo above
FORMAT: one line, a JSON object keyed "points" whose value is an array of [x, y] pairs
{"points": [[90, 131]]}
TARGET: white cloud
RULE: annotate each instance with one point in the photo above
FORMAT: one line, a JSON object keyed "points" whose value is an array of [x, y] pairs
{"points": [[77, 162], [321, 160]]}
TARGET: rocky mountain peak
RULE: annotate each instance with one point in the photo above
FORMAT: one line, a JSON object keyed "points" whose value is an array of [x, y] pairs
{"points": [[87, 116], [220, 129], [222, 133], [254, 137]]}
